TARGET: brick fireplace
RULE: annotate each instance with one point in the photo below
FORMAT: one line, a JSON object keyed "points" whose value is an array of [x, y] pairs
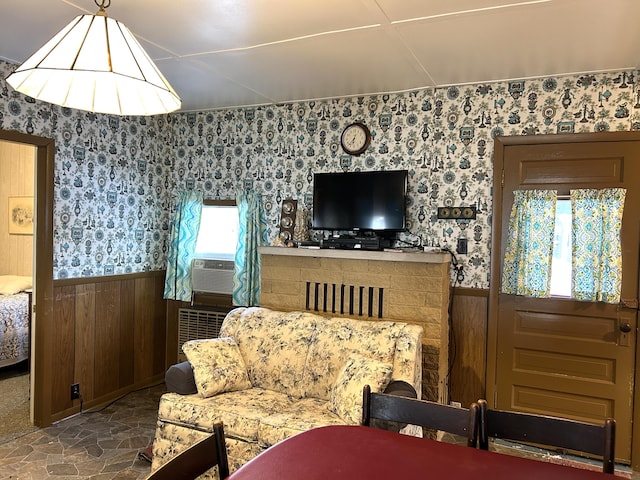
{"points": [[370, 285]]}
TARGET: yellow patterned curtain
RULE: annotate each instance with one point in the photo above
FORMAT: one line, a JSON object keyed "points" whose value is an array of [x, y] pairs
{"points": [[527, 260], [597, 252]]}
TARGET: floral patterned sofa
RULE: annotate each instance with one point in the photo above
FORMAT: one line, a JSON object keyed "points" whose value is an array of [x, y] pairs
{"points": [[273, 374]]}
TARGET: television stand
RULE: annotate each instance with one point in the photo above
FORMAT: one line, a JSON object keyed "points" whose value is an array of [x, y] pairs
{"points": [[356, 243]]}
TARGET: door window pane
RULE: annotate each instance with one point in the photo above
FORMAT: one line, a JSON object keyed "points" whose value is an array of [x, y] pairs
{"points": [[561, 262]]}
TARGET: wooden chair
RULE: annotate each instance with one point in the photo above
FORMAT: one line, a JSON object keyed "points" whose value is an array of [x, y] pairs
{"points": [[549, 431], [432, 415], [197, 459]]}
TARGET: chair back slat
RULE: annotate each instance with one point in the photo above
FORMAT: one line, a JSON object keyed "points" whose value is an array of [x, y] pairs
{"points": [[432, 415], [549, 431]]}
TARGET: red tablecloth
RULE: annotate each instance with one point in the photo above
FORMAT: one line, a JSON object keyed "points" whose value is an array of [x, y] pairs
{"points": [[354, 453]]}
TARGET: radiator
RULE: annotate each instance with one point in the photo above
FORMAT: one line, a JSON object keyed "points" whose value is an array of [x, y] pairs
{"points": [[197, 323]]}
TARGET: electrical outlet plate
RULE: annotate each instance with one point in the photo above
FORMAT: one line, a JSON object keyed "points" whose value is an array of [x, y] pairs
{"points": [[462, 246], [457, 213], [75, 391]]}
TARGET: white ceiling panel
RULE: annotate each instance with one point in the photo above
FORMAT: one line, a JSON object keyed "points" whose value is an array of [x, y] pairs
{"points": [[200, 26], [340, 65], [204, 87], [413, 9], [557, 38], [228, 53]]}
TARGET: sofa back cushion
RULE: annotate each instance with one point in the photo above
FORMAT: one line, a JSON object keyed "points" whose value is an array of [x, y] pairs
{"points": [[338, 339], [301, 353], [274, 346]]}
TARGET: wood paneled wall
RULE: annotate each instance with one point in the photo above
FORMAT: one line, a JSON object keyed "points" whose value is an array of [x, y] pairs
{"points": [[109, 336], [17, 162], [468, 345]]}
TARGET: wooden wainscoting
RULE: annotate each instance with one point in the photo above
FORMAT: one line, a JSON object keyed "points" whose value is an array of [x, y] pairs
{"points": [[109, 336], [468, 345]]}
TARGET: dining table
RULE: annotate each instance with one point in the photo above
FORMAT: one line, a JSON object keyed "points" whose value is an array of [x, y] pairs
{"points": [[353, 452]]}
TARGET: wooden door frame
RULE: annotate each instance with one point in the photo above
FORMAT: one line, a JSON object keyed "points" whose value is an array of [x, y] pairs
{"points": [[500, 143], [41, 352]]}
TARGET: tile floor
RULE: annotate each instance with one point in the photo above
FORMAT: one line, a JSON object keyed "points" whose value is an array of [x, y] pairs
{"points": [[100, 445], [104, 445]]}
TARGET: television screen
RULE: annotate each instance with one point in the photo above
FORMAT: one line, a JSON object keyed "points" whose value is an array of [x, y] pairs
{"points": [[365, 201]]}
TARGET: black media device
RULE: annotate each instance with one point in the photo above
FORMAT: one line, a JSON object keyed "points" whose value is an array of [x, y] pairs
{"points": [[371, 205]]}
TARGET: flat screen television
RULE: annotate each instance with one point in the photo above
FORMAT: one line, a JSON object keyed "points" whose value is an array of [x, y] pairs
{"points": [[368, 202]]}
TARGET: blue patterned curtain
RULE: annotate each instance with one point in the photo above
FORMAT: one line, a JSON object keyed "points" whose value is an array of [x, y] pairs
{"points": [[529, 247], [184, 235], [252, 234], [597, 252]]}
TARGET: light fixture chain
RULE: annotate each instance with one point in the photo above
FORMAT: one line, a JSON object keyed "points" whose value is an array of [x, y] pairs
{"points": [[102, 4]]}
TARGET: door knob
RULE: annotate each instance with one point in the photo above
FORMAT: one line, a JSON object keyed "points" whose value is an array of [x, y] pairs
{"points": [[625, 327]]}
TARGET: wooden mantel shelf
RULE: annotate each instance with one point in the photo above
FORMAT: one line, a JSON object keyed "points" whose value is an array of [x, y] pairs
{"points": [[396, 256]]}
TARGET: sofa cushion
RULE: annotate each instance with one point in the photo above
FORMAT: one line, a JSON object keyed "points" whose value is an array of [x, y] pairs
{"points": [[302, 415], [358, 371], [336, 340], [240, 411], [170, 439], [275, 346], [217, 365]]}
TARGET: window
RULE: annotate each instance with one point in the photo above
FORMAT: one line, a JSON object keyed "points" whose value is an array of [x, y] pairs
{"points": [[561, 262], [218, 234]]}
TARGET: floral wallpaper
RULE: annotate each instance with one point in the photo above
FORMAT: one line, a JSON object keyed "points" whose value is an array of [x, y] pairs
{"points": [[116, 178]]}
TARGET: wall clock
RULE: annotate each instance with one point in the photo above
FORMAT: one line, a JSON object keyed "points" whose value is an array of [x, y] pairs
{"points": [[355, 138]]}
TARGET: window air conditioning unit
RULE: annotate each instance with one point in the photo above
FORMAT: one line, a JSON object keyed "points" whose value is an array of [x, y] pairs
{"points": [[212, 276]]}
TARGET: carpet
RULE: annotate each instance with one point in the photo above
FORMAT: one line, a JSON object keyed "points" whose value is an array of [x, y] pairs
{"points": [[14, 408]]}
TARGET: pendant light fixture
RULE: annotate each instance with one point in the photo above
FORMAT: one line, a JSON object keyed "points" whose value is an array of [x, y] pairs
{"points": [[96, 64]]}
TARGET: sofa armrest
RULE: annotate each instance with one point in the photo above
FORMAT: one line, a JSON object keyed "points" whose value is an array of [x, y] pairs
{"points": [[399, 388], [179, 379]]}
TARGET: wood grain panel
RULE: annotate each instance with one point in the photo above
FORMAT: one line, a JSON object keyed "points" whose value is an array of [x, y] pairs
{"points": [[171, 352], [17, 162], [571, 171], [468, 345], [144, 328], [85, 312], [63, 338], [111, 337], [107, 338], [555, 325], [160, 327], [127, 331], [559, 364], [561, 404]]}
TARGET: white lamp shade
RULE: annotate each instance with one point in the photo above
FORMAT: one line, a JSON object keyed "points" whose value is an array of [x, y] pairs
{"points": [[96, 64]]}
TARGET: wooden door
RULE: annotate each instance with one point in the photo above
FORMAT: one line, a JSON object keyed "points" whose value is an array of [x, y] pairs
{"points": [[559, 356]]}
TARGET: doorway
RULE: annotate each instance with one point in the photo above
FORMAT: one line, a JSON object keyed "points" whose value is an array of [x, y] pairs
{"points": [[559, 356], [41, 348], [17, 163]]}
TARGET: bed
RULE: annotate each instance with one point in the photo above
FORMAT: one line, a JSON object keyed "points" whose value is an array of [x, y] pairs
{"points": [[15, 319]]}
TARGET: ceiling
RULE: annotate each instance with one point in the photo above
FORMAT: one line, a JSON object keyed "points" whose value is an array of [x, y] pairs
{"points": [[227, 53]]}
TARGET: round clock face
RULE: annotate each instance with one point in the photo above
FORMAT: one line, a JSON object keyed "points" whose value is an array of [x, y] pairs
{"points": [[355, 138]]}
